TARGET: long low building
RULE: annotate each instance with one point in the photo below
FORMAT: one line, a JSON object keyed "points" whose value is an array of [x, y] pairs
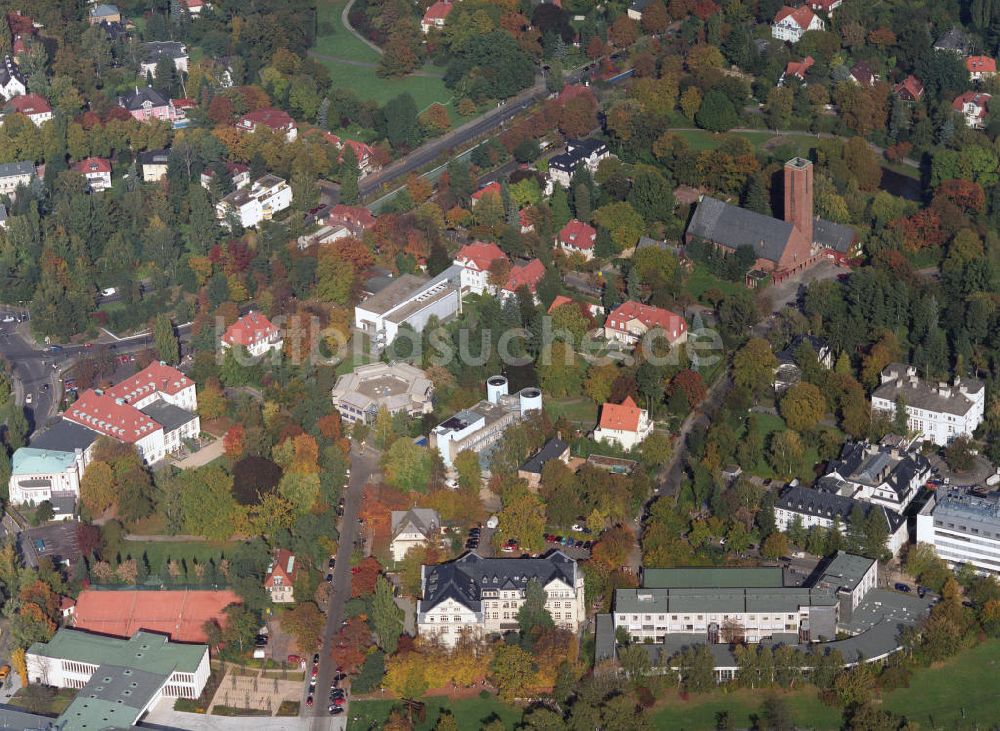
{"points": [[727, 605], [396, 387], [119, 679]]}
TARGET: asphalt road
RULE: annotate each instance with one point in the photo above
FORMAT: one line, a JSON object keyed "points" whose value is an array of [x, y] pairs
{"points": [[364, 464]]}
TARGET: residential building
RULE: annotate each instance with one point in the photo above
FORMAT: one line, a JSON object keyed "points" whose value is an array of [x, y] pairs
{"points": [[963, 526], [910, 89], [238, 173], [882, 474], [411, 299], [624, 424], [481, 596], [194, 7], [531, 471], [281, 574], [478, 428], [146, 103], [435, 16], [256, 204], [589, 309], [631, 321], [364, 154], [33, 106], [255, 333], [273, 119], [154, 165], [413, 528], [828, 510], [357, 219], [476, 259], [938, 412], [323, 234], [114, 32], [981, 68], [488, 189], [104, 13], [119, 679], [790, 24], [155, 51], [783, 247], [155, 410], [825, 6], [51, 467], [526, 275], [636, 8], [788, 373], [178, 614], [14, 174], [587, 152], [797, 70], [955, 41], [577, 237], [862, 74], [97, 171], [737, 605], [12, 81], [398, 387]]}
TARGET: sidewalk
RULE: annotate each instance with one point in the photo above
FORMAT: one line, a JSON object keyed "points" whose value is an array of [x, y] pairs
{"points": [[202, 457]]}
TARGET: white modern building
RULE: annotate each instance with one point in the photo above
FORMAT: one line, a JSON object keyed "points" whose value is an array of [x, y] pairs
{"points": [[478, 596], [38, 475], [119, 679], [479, 427], [938, 412], [412, 528], [256, 204], [396, 387], [624, 424], [412, 300], [963, 526]]}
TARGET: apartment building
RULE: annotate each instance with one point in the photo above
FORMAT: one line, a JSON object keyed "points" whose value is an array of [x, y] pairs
{"points": [[256, 204], [963, 526]]}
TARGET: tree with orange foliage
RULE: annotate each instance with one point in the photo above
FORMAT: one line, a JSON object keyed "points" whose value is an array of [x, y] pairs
{"points": [[377, 503], [353, 251], [966, 195], [232, 442], [254, 97], [351, 643], [613, 549], [596, 48], [364, 576], [623, 32], [578, 116]]}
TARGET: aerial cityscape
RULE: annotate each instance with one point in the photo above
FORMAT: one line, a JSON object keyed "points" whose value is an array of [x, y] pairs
{"points": [[523, 365]]}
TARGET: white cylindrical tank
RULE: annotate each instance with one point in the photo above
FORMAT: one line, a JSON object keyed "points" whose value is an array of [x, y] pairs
{"points": [[496, 386], [531, 400]]}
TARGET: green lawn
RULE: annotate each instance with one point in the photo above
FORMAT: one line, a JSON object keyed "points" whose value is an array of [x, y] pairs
{"points": [[767, 424], [158, 552], [470, 713], [580, 410], [701, 280], [363, 80], [700, 139], [699, 713]]}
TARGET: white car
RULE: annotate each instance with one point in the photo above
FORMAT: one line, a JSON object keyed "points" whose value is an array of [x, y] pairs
{"points": [[577, 527], [9, 318], [27, 399]]}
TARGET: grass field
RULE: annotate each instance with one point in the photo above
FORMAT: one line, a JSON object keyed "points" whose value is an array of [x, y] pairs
{"points": [[158, 552], [699, 139], [340, 46], [699, 713], [701, 280], [470, 713], [581, 411]]}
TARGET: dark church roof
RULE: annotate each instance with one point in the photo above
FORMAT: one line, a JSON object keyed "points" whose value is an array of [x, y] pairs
{"points": [[733, 227], [834, 236]]}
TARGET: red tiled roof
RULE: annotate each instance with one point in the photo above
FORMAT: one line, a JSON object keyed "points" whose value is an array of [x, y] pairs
{"points": [[154, 378], [528, 275], [972, 97], [646, 314], [437, 11], [799, 68], [180, 614], [353, 215], [105, 415], [558, 302], [190, 4], [93, 165], [621, 417], [912, 85], [273, 118], [249, 329], [481, 254], [572, 91], [981, 65], [802, 16], [283, 560], [66, 602], [825, 5], [183, 103], [578, 235], [493, 187], [29, 104]]}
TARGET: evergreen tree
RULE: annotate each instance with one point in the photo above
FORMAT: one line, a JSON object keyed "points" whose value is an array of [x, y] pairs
{"points": [[165, 339], [349, 176], [755, 195], [581, 202], [559, 204]]}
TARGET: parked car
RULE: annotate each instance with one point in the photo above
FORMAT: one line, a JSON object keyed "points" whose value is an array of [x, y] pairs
{"points": [[331, 563], [329, 578], [309, 701], [578, 527], [294, 659], [334, 710], [900, 586], [921, 592]]}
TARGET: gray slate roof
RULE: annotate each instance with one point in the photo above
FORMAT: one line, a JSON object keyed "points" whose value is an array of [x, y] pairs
{"points": [[167, 415], [415, 520], [860, 463], [10, 70], [834, 236], [63, 436], [155, 157], [10, 169], [829, 505], [553, 449], [732, 226], [135, 99], [897, 380]]}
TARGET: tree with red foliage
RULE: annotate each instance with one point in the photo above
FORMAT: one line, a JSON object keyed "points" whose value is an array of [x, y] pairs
{"points": [[966, 195], [704, 9], [898, 152], [921, 230], [88, 538], [377, 503], [364, 575], [232, 442], [623, 32], [691, 383], [350, 644], [220, 110], [578, 116], [254, 97], [596, 48], [354, 251]]}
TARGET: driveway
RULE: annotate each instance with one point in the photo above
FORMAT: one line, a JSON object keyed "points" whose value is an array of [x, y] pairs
{"points": [[981, 470], [164, 716], [202, 457]]}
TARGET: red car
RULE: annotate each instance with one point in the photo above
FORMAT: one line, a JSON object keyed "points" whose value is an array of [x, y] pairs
{"points": [[356, 570], [294, 659]]}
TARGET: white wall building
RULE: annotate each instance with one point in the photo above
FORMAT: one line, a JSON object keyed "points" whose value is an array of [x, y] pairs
{"points": [[963, 526], [476, 259], [256, 204], [14, 174], [255, 333], [482, 596], [790, 24], [624, 424], [413, 528], [938, 412], [396, 387]]}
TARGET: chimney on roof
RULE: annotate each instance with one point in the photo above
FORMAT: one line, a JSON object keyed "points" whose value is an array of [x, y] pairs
{"points": [[799, 196]]}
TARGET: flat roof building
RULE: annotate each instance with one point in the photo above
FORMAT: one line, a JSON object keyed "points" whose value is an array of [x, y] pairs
{"points": [[963, 526], [397, 387]]}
